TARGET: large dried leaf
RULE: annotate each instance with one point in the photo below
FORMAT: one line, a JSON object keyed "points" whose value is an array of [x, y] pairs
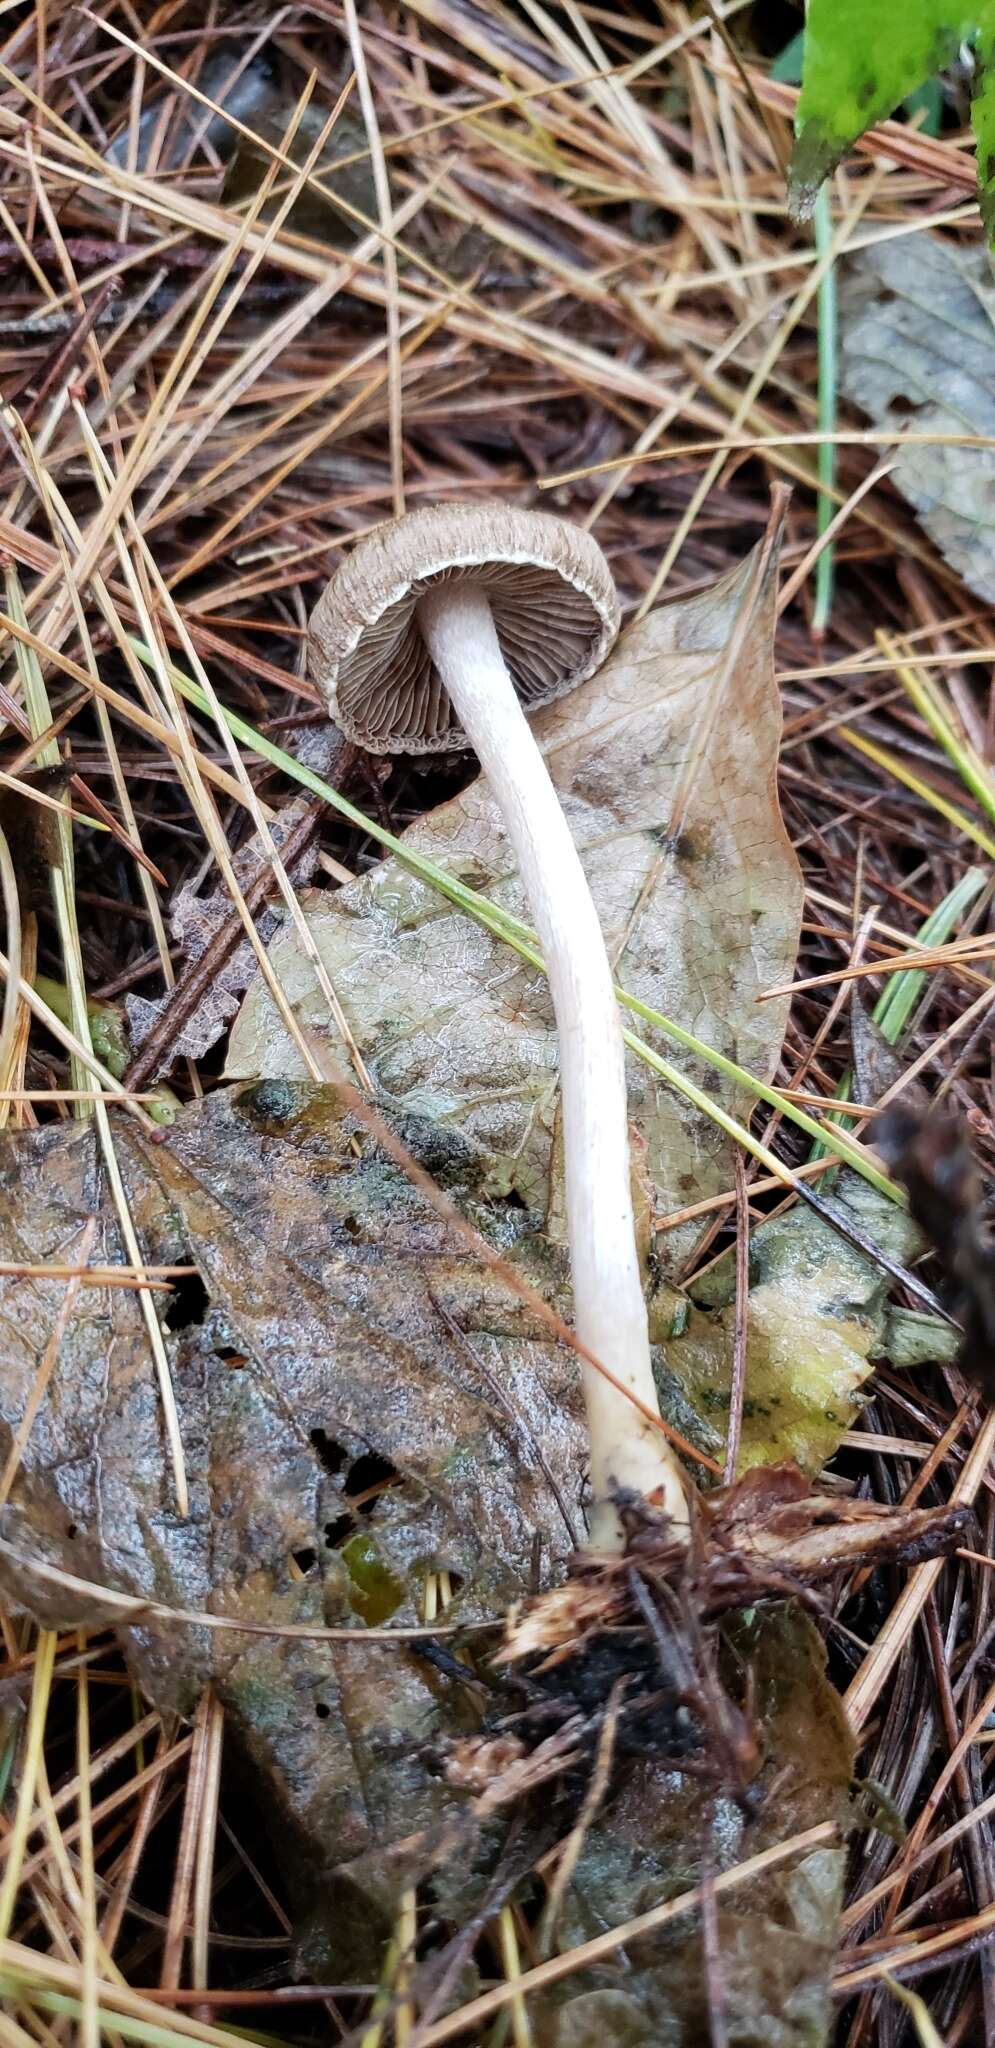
{"points": [[918, 355], [451, 1023], [320, 1352], [337, 1336]]}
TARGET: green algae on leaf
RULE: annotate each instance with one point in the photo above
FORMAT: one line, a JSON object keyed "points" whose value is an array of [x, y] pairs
{"points": [[818, 1318], [375, 1592]]}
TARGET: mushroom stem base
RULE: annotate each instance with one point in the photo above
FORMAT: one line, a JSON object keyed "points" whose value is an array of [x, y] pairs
{"points": [[627, 1451]]}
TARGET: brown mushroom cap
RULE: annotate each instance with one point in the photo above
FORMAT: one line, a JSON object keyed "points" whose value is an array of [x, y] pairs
{"points": [[551, 597]]}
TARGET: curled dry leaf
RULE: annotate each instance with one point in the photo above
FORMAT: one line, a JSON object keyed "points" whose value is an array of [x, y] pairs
{"points": [[453, 1025], [918, 355], [767, 1534]]}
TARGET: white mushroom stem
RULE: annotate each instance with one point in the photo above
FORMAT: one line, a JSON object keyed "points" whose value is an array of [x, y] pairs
{"points": [[609, 1309]]}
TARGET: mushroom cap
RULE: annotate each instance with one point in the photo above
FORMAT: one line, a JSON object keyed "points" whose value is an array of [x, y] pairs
{"points": [[551, 596]]}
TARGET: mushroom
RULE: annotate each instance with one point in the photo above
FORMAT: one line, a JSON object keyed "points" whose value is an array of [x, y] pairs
{"points": [[440, 630]]}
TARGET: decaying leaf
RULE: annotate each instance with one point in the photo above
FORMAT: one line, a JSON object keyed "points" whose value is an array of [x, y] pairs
{"points": [[315, 210], [776, 1938], [359, 1404], [918, 355], [818, 1315], [818, 1318], [681, 1730], [455, 1027], [861, 62], [646, 1615]]}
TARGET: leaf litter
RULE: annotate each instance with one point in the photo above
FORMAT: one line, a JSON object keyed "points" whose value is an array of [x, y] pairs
{"points": [[340, 1442], [336, 1359], [362, 1409], [598, 287]]}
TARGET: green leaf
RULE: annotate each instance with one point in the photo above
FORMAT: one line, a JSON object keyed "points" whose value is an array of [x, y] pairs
{"points": [[927, 102], [861, 62], [789, 62]]}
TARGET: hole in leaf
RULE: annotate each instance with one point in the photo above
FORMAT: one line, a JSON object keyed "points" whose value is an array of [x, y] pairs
{"points": [[367, 1479], [322, 1709], [456, 1583], [902, 408], [350, 1224], [233, 1359], [306, 1559], [188, 1302], [332, 1455], [72, 1531], [339, 1531]]}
